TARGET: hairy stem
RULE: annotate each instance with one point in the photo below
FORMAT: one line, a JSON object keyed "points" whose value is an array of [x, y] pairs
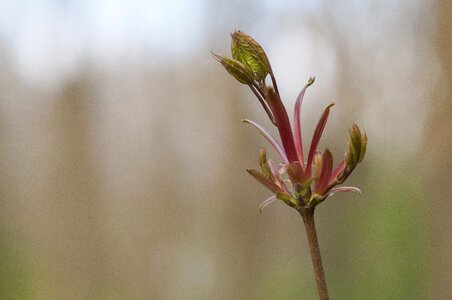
{"points": [[308, 218]]}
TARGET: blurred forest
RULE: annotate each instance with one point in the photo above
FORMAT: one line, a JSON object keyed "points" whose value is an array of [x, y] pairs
{"points": [[127, 180]]}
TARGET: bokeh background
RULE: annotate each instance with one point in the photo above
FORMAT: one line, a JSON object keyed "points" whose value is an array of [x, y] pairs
{"points": [[122, 154]]}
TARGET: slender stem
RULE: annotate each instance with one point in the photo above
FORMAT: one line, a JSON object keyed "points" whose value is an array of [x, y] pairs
{"points": [[256, 92], [274, 82], [308, 218]]}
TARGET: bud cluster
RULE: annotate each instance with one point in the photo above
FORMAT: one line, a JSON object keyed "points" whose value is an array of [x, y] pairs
{"points": [[248, 58], [298, 182]]}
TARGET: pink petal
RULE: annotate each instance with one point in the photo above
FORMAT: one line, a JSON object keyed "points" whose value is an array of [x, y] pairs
{"points": [[316, 138], [277, 176], [266, 202], [343, 189], [269, 138], [295, 172], [338, 170], [265, 181], [297, 123], [283, 168], [325, 174]]}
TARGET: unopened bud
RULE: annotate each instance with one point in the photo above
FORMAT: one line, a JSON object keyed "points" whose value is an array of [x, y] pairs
{"points": [[234, 67], [356, 146], [246, 50]]}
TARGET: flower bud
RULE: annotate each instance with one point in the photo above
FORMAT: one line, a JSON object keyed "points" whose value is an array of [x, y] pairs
{"points": [[354, 145], [241, 72], [246, 50]]}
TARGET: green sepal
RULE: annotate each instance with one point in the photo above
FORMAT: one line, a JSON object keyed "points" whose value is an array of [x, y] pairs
{"points": [[288, 199], [303, 189], [316, 199], [263, 163]]}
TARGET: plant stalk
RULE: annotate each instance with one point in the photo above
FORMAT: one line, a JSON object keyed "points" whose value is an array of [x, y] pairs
{"points": [[308, 218]]}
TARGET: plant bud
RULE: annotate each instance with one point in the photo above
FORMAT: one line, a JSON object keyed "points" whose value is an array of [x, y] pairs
{"points": [[242, 73], [354, 146], [263, 163], [246, 50]]}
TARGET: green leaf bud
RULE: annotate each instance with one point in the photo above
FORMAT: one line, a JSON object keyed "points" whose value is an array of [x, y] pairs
{"points": [[241, 72], [246, 50]]}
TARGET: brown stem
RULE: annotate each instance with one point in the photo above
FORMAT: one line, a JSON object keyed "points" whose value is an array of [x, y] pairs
{"points": [[308, 218]]}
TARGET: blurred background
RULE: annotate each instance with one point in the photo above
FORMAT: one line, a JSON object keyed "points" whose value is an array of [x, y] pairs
{"points": [[122, 154]]}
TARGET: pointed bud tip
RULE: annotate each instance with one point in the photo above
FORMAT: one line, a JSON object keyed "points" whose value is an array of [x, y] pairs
{"points": [[355, 129], [215, 55]]}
